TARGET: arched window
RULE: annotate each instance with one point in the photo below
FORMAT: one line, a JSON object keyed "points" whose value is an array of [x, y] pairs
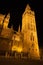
{"points": [[32, 37]]}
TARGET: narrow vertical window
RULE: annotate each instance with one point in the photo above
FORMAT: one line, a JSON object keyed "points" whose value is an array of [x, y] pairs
{"points": [[32, 37]]}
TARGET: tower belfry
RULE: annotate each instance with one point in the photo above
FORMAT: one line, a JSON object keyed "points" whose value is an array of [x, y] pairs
{"points": [[30, 32]]}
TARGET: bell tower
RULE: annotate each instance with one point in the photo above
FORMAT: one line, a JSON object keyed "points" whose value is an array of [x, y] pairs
{"points": [[30, 33]]}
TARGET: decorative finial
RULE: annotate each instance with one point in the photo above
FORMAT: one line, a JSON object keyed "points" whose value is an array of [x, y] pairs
{"points": [[27, 7]]}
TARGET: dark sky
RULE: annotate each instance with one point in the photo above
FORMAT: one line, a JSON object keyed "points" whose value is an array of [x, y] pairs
{"points": [[17, 7]]}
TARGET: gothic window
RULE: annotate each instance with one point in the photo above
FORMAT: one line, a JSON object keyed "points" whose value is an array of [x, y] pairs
{"points": [[28, 12], [32, 27], [32, 44], [32, 37]]}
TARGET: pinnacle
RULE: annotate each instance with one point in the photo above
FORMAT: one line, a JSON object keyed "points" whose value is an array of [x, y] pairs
{"points": [[27, 7]]}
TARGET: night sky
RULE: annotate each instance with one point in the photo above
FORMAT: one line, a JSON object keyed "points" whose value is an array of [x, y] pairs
{"points": [[16, 9]]}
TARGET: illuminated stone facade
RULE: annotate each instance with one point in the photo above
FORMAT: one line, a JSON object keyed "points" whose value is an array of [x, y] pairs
{"points": [[30, 32], [25, 40], [5, 33]]}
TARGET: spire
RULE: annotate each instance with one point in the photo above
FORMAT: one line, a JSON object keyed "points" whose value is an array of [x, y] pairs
{"points": [[8, 16], [19, 29], [27, 7]]}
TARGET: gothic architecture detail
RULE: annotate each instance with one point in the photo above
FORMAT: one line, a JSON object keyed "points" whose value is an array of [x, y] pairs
{"points": [[6, 21], [26, 40], [30, 32]]}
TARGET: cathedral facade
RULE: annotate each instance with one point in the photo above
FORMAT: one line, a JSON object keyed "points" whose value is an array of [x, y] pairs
{"points": [[24, 41]]}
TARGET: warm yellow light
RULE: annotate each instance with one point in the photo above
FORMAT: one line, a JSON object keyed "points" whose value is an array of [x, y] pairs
{"points": [[17, 38], [18, 49]]}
